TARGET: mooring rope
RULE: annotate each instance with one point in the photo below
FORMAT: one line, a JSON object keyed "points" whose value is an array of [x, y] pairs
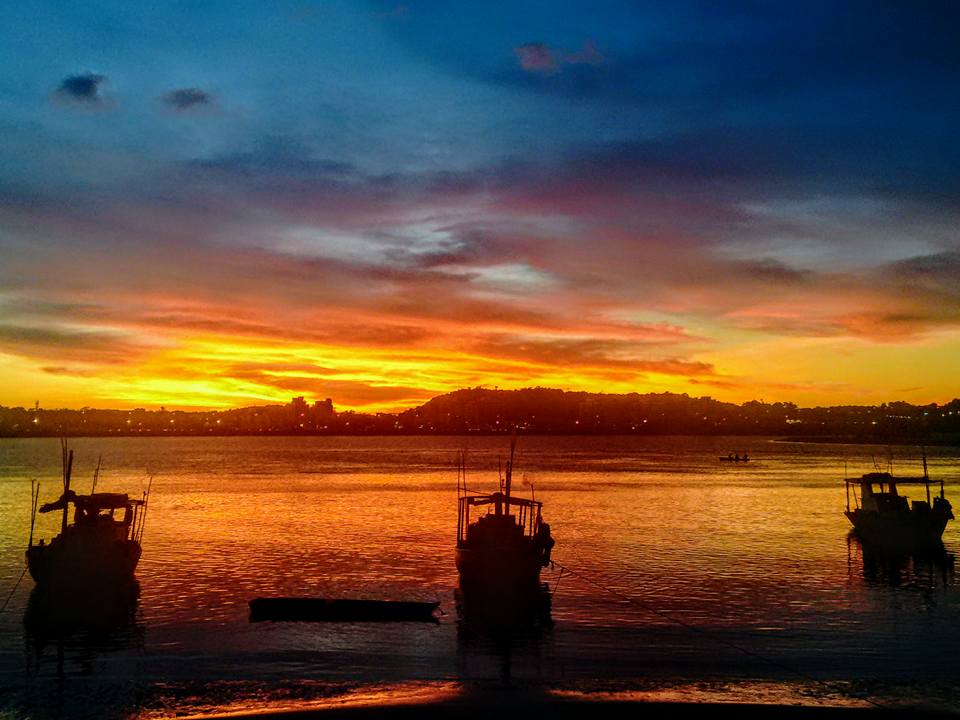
{"points": [[713, 636], [16, 585]]}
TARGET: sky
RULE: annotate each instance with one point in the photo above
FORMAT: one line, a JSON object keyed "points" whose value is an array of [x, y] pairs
{"points": [[220, 204]]}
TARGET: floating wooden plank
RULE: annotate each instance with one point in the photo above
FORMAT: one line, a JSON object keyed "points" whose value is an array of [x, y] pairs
{"points": [[301, 609]]}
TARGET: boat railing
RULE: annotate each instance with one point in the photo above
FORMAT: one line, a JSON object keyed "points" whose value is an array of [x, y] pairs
{"points": [[887, 484], [886, 478], [89, 509], [529, 512]]}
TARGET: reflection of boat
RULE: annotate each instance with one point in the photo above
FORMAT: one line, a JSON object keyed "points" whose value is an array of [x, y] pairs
{"points": [[99, 550], [499, 555], [341, 610], [881, 515], [79, 627], [497, 619], [923, 567], [102, 612]]}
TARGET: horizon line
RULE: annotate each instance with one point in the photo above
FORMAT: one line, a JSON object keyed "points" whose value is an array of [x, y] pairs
{"points": [[159, 407]]}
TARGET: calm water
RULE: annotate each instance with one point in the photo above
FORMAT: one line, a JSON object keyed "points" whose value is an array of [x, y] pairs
{"points": [[720, 582]]}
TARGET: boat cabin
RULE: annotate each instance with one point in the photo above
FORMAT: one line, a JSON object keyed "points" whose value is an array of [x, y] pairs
{"points": [[498, 520], [99, 513], [878, 493]]}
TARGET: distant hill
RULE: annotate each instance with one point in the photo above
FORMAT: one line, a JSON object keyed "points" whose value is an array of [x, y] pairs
{"points": [[529, 411], [545, 410]]}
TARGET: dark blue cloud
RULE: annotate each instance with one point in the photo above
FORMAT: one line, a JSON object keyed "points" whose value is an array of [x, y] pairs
{"points": [[83, 88]]}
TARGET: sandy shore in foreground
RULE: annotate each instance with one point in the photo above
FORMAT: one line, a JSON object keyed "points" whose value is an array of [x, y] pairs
{"points": [[500, 703]]}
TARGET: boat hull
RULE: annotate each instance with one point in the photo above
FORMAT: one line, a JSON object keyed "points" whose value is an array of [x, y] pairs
{"points": [[82, 565], [498, 572], [907, 530]]}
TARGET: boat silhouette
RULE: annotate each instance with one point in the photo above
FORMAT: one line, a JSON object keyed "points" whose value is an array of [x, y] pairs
{"points": [[735, 458], [499, 554], [880, 515], [99, 549]]}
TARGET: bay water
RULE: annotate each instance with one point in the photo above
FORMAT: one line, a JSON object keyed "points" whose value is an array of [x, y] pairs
{"points": [[678, 576]]}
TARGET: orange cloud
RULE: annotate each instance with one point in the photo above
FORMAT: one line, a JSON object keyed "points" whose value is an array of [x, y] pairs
{"points": [[594, 278]]}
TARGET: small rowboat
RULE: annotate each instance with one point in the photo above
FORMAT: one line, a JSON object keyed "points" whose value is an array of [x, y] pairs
{"points": [[303, 609]]}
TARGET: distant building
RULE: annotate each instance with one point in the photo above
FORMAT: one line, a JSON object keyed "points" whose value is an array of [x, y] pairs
{"points": [[323, 409]]}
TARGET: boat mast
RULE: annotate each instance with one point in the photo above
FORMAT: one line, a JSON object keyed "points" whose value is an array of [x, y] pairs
{"points": [[67, 469], [465, 505], [846, 483], [96, 475], [509, 476], [926, 478]]}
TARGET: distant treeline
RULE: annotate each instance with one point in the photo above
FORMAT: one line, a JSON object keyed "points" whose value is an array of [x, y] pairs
{"points": [[530, 411]]}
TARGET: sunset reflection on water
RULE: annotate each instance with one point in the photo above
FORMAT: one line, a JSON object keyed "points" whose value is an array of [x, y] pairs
{"points": [[679, 562]]}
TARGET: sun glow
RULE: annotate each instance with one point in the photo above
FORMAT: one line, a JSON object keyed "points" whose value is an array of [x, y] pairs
{"points": [[216, 372]]}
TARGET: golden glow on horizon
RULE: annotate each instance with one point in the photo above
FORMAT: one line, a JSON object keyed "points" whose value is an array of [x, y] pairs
{"points": [[210, 372], [219, 372], [847, 370]]}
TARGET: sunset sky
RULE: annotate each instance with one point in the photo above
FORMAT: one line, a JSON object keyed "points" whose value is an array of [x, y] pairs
{"points": [[231, 203]]}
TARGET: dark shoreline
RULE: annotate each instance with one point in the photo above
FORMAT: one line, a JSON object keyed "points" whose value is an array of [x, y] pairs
{"points": [[799, 439], [847, 440], [484, 411]]}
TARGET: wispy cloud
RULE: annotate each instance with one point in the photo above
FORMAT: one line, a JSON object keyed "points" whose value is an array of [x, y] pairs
{"points": [[184, 100], [537, 57]]}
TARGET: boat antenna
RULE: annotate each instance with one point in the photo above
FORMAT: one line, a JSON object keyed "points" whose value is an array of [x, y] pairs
{"points": [[459, 472], [846, 483], [34, 501], [926, 477], [96, 475], [143, 516]]}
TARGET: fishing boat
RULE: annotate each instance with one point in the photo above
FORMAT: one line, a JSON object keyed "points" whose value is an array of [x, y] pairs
{"points": [[99, 550], [880, 515], [500, 553]]}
